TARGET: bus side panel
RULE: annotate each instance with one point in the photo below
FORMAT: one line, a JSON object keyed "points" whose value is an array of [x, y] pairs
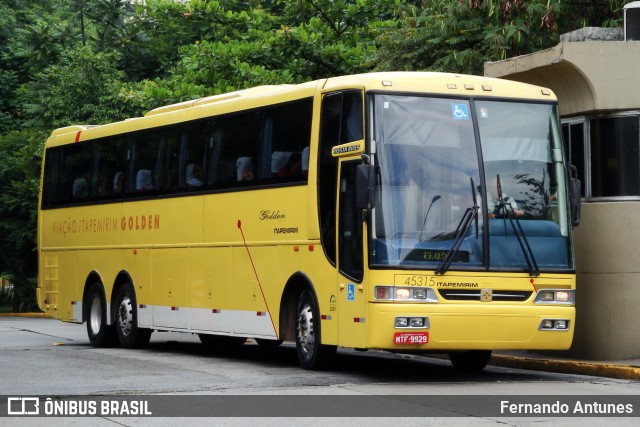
{"points": [[323, 278], [210, 290], [261, 229], [243, 291], [60, 294], [170, 287]]}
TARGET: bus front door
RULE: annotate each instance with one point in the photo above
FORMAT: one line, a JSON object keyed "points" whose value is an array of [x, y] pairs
{"points": [[352, 295]]}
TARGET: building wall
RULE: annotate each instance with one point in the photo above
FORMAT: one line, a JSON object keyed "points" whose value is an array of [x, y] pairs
{"points": [[607, 245], [586, 76], [596, 79]]}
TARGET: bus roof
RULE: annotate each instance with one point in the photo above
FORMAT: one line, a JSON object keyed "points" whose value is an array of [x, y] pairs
{"points": [[443, 84], [459, 85]]}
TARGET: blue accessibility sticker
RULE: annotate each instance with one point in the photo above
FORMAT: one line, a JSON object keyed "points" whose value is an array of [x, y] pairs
{"points": [[460, 111], [351, 292]]}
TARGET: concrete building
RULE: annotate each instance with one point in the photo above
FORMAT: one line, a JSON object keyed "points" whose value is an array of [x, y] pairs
{"points": [[596, 75]]}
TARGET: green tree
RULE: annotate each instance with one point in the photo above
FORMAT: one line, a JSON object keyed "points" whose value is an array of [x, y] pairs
{"points": [[460, 35], [241, 46], [84, 88], [20, 153]]}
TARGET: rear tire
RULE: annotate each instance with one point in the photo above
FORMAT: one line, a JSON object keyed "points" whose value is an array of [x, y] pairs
{"points": [[126, 319], [312, 354], [470, 361], [100, 333]]}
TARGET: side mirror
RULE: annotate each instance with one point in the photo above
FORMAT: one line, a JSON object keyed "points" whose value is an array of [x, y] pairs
{"points": [[575, 195], [365, 186]]}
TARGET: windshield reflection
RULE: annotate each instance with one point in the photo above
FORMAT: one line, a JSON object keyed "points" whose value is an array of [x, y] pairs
{"points": [[426, 155]]}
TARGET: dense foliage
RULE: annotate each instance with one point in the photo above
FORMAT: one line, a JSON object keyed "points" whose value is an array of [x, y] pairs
{"points": [[96, 61]]}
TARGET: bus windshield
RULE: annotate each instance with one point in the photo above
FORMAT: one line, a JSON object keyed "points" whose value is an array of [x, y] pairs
{"points": [[491, 195]]}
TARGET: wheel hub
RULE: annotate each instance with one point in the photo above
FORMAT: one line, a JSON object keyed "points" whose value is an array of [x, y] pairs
{"points": [[95, 315], [125, 316], [305, 330]]}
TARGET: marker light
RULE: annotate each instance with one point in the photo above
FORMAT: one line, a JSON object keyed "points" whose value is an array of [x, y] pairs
{"points": [[404, 294], [417, 322], [383, 293], [555, 296], [554, 325], [412, 322], [420, 293], [561, 324], [402, 322]]}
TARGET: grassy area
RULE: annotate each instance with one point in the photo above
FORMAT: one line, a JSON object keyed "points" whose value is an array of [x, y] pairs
{"points": [[5, 309]]}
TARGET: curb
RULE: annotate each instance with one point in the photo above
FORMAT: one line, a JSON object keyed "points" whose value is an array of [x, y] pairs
{"points": [[568, 366]]}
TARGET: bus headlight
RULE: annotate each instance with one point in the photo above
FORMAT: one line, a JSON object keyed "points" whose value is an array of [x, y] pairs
{"points": [[404, 294], [412, 322], [554, 325], [555, 296]]}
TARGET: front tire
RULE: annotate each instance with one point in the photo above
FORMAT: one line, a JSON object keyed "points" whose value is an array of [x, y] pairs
{"points": [[126, 320], [311, 353], [470, 361], [100, 333]]}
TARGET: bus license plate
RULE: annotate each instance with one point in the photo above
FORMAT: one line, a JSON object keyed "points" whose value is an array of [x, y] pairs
{"points": [[411, 338]]}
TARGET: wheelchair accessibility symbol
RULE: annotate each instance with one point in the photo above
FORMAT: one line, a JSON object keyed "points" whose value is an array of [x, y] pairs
{"points": [[351, 292], [460, 111]]}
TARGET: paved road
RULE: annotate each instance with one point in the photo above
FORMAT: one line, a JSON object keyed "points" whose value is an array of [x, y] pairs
{"points": [[46, 357]]}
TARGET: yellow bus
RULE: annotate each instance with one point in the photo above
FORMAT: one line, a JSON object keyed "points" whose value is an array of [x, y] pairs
{"points": [[410, 212]]}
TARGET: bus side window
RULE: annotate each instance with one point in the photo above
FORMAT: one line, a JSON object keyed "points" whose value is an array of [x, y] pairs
{"points": [[80, 188], [215, 168], [143, 180], [194, 175], [245, 169], [286, 134], [80, 167], [118, 183], [279, 162], [144, 162], [237, 147], [341, 120], [304, 161]]}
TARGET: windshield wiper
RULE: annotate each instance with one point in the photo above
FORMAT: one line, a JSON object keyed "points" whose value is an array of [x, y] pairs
{"points": [[506, 211], [435, 199], [461, 231]]}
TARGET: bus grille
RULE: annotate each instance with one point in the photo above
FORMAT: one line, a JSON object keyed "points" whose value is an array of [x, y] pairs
{"points": [[475, 295]]}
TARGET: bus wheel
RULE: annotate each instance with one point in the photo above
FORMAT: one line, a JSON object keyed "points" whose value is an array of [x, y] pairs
{"points": [[221, 343], [311, 353], [129, 334], [100, 334], [470, 361]]}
